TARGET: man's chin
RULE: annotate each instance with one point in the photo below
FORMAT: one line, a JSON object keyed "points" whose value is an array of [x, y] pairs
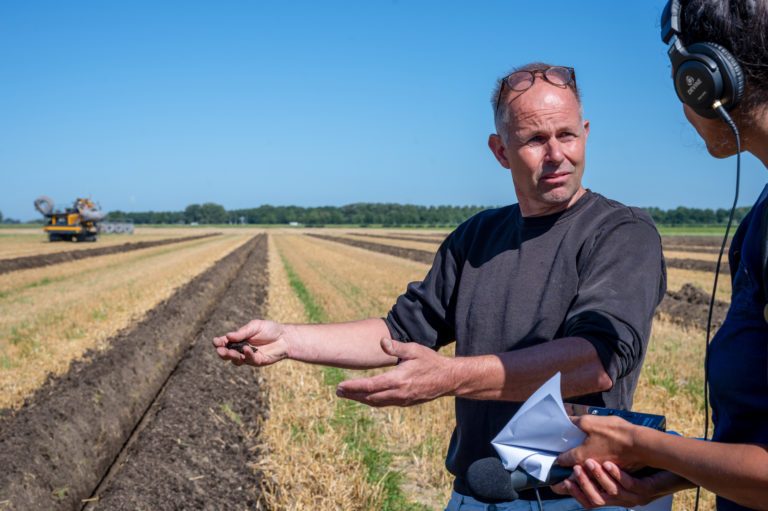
{"points": [[560, 195]]}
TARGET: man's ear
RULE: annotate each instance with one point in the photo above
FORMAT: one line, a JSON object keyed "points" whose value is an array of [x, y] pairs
{"points": [[498, 149], [586, 129]]}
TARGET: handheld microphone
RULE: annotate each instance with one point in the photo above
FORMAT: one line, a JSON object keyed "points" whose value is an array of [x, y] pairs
{"points": [[490, 481]]}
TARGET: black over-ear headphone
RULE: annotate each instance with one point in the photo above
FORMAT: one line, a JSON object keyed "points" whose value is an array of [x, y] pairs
{"points": [[706, 75]]}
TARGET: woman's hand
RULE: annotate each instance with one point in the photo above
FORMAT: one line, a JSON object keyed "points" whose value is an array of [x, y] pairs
{"points": [[594, 485], [608, 439]]}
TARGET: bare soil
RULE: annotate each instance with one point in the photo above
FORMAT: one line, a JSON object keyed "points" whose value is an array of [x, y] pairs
{"points": [[697, 264], [27, 262], [422, 256], [56, 448], [691, 241], [689, 307], [426, 238], [194, 447]]}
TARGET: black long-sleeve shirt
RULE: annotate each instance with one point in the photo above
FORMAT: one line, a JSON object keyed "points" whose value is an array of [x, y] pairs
{"points": [[502, 282]]}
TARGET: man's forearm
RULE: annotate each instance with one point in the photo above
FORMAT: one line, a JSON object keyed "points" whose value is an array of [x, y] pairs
{"points": [[353, 345], [515, 375]]}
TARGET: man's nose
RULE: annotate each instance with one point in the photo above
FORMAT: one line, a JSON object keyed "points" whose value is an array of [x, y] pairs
{"points": [[554, 152]]}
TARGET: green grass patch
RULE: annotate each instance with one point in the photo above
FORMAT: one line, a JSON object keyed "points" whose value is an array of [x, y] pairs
{"points": [[351, 417], [693, 230], [315, 312]]}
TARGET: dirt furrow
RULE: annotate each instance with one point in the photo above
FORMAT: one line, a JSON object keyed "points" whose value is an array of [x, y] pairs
{"points": [[419, 238], [25, 263], [695, 241], [192, 451], [55, 449], [422, 256], [697, 264]]}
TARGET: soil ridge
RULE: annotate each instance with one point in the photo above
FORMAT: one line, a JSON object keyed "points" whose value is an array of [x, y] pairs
{"points": [[38, 261]]}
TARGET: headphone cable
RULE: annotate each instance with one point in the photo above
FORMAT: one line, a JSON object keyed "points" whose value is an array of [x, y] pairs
{"points": [[718, 106]]}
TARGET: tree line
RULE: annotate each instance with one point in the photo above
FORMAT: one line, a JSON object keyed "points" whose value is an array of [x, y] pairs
{"points": [[388, 215]]}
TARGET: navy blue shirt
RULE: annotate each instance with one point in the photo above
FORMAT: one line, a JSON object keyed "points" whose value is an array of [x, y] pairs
{"points": [[738, 354]]}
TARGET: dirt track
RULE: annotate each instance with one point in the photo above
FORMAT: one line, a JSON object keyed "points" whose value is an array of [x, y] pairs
{"points": [[698, 265], [422, 256], [424, 238], [58, 446], [25, 263]]}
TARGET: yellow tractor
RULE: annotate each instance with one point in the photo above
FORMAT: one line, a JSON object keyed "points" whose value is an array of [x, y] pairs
{"points": [[76, 223]]}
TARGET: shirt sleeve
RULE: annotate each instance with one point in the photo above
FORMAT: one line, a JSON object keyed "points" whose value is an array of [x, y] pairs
{"points": [[622, 279], [425, 312]]}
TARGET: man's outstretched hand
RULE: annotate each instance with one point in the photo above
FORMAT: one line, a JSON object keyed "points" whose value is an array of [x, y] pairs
{"points": [[266, 344], [420, 376]]}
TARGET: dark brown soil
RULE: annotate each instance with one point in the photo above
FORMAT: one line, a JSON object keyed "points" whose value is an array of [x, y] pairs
{"points": [[696, 250], [689, 307], [695, 241], [56, 448], [424, 238], [25, 263], [422, 256], [196, 444], [698, 265]]}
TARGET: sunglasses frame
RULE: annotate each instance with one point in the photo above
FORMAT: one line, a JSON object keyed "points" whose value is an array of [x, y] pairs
{"points": [[543, 72]]}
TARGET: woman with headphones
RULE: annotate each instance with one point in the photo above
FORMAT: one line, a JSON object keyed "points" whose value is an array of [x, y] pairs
{"points": [[719, 55]]}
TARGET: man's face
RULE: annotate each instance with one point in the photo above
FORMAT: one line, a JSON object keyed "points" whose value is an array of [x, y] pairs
{"points": [[544, 147]]}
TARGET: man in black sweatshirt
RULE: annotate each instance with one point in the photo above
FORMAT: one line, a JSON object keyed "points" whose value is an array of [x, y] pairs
{"points": [[565, 280]]}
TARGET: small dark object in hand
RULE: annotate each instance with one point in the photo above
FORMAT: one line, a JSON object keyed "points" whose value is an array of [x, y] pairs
{"points": [[238, 346]]}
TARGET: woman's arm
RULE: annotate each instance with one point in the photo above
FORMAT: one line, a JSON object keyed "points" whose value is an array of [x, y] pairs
{"points": [[738, 472]]}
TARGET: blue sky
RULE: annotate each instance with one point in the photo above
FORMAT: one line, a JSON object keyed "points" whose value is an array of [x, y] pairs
{"points": [[147, 105]]}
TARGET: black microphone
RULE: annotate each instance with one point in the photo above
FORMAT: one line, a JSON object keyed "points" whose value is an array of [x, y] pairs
{"points": [[490, 481]]}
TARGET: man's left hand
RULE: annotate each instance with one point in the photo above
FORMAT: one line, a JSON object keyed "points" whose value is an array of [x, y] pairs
{"points": [[421, 375]]}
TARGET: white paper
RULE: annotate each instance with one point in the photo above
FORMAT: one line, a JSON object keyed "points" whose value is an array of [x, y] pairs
{"points": [[538, 432]]}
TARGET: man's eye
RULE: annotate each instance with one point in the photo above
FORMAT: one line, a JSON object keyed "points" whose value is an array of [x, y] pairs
{"points": [[537, 140], [565, 137]]}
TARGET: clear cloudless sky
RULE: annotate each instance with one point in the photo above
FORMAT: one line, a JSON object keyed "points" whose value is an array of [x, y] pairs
{"points": [[147, 105]]}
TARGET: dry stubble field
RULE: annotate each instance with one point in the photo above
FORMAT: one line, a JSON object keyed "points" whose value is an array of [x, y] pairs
{"points": [[346, 278], [368, 458]]}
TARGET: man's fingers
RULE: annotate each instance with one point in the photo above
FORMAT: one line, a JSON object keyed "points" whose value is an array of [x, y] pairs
{"points": [[246, 331], [603, 479], [385, 398], [370, 385]]}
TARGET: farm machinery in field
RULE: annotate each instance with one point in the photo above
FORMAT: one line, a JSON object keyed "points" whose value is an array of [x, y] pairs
{"points": [[83, 221]]}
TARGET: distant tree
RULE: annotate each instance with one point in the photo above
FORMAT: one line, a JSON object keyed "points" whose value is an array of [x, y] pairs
{"points": [[192, 213], [211, 213], [1, 216]]}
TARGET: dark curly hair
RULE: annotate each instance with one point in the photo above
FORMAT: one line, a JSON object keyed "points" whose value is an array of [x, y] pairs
{"points": [[741, 26]]}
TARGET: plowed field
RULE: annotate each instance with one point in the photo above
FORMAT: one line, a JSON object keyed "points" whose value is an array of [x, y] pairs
{"points": [[155, 421]]}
